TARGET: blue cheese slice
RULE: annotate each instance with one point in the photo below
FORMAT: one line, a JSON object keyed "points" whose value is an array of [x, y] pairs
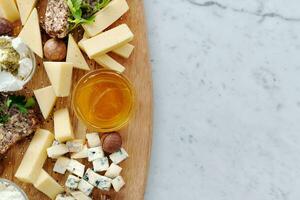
{"points": [[118, 156], [93, 139], [72, 182], [95, 153], [85, 187], [113, 171], [76, 168], [57, 150], [101, 182], [100, 164], [75, 146], [64, 197], [118, 183], [61, 165], [82, 154]]}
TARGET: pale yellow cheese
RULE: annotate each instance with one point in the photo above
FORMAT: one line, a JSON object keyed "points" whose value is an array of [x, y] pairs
{"points": [[108, 62], [25, 7], [9, 10], [46, 99], [46, 184], [106, 17], [75, 56], [107, 41], [62, 125], [35, 156], [80, 195], [124, 51], [60, 76], [31, 34]]}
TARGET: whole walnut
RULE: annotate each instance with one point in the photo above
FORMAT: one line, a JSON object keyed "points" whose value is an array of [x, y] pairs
{"points": [[55, 49], [5, 27]]}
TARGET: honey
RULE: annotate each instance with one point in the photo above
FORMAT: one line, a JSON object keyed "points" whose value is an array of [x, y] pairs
{"points": [[103, 100]]}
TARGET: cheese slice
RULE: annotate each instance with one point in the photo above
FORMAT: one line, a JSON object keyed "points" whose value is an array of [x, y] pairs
{"points": [[107, 41], [46, 184], [31, 34], [8, 10], [106, 17], [61, 165], [75, 56], [60, 76], [108, 62], [25, 7], [57, 150], [46, 99], [124, 51], [62, 125], [35, 156]]}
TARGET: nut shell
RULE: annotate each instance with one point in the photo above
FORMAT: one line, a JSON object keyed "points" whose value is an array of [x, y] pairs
{"points": [[5, 27], [111, 142]]}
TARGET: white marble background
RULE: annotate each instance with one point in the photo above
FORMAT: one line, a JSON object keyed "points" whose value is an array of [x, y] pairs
{"points": [[227, 99]]}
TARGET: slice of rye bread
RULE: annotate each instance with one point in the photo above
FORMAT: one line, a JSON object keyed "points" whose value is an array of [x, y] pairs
{"points": [[18, 126]]}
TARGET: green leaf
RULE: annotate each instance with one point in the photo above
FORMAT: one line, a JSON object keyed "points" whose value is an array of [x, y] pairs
{"points": [[30, 102], [3, 118]]}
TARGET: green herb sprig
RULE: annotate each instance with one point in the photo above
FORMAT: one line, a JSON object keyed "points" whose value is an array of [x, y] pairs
{"points": [[20, 102]]}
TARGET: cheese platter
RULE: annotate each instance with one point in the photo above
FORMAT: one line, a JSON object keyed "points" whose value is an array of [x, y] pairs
{"points": [[75, 99]]}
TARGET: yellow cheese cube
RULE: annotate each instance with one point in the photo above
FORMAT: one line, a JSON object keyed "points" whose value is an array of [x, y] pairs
{"points": [[9, 10], [62, 125], [107, 41], [108, 62], [31, 34], [25, 7], [35, 156], [124, 51], [46, 184], [46, 99], [60, 76], [106, 17], [75, 56]]}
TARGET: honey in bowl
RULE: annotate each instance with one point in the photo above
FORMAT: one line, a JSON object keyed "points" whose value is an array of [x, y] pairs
{"points": [[103, 100]]}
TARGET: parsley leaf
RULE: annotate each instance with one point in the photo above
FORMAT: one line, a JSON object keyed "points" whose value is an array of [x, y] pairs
{"points": [[20, 102]]}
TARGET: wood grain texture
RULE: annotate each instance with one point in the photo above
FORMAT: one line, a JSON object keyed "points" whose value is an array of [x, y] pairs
{"points": [[137, 136]]}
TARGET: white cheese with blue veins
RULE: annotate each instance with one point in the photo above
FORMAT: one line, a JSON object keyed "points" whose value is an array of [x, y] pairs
{"points": [[85, 187], [61, 165], [64, 197], [100, 164], [76, 168], [82, 154], [78, 195], [95, 153], [93, 139], [72, 182], [91, 177], [118, 156], [118, 183], [75, 146], [113, 171], [101, 182], [57, 150]]}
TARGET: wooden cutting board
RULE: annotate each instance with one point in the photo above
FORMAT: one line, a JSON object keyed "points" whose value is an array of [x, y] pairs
{"points": [[137, 136]]}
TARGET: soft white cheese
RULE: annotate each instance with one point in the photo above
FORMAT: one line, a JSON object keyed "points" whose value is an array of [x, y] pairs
{"points": [[20, 47], [8, 82], [25, 68]]}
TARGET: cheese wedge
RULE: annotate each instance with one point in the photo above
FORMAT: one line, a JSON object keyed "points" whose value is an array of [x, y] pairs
{"points": [[108, 62], [62, 125], [46, 184], [106, 17], [107, 41], [60, 76], [25, 7], [75, 56], [46, 99], [8, 10], [31, 34], [35, 156], [124, 51]]}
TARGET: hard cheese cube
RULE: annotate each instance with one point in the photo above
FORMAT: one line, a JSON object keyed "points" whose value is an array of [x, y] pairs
{"points": [[100, 164], [95, 153], [85, 187], [118, 156], [75, 145], [107, 41], [76, 168], [72, 182], [118, 183], [61, 165], [80, 196], [93, 139], [64, 197], [113, 171], [82, 154], [57, 150], [62, 125]]}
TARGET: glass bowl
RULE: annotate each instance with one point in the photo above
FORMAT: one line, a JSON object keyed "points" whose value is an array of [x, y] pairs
{"points": [[8, 182]]}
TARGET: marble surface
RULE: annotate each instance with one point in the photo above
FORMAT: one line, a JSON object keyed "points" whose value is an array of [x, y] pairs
{"points": [[227, 99]]}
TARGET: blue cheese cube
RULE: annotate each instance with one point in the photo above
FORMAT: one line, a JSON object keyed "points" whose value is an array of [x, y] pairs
{"points": [[57, 150], [97, 180], [75, 146], [103, 183], [85, 187], [76, 168], [91, 177], [118, 183], [118, 156], [93, 140], [72, 182], [95, 153], [100, 164], [82, 154], [113, 171], [80, 196], [61, 165], [64, 197]]}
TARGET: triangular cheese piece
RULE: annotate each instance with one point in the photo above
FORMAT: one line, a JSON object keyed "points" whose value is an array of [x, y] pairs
{"points": [[60, 76], [25, 8], [46, 99], [75, 56], [31, 34]]}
